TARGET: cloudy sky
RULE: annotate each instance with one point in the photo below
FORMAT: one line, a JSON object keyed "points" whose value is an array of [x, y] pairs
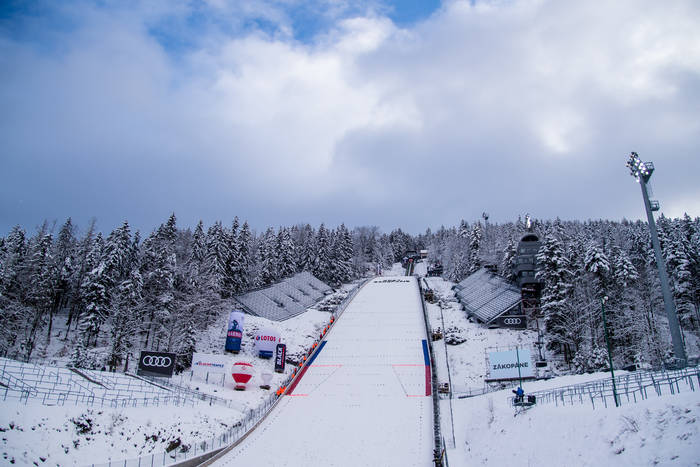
{"points": [[396, 113]]}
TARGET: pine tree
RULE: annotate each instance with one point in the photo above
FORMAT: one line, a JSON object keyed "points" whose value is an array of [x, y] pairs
{"points": [[234, 267], [321, 266], [217, 260], [243, 279], [125, 316], [159, 270], [508, 262], [83, 266], [94, 292], [342, 254], [679, 267], [13, 307], [285, 252], [556, 295], [267, 258], [117, 256], [41, 291], [475, 238], [307, 249]]}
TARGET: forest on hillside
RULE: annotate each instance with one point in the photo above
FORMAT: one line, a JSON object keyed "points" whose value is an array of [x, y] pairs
{"points": [[118, 293]]}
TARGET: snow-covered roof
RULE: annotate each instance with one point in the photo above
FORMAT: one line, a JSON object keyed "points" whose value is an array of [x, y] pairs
{"points": [[285, 299], [487, 296]]}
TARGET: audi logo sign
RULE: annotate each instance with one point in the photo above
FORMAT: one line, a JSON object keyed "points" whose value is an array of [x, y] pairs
{"points": [[511, 321], [159, 364]]}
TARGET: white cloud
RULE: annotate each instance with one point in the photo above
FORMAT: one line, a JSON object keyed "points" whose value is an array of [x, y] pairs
{"points": [[506, 90]]}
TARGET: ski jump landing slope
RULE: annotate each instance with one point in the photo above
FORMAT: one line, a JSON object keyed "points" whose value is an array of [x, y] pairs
{"points": [[364, 400]]}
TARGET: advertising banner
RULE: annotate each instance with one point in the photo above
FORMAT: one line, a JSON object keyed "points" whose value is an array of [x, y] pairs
{"points": [[266, 341], [512, 321], [203, 363], [242, 372], [234, 332], [280, 358], [504, 365], [159, 364]]}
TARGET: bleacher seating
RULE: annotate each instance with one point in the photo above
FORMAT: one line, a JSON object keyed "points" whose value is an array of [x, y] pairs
{"points": [[486, 296], [286, 299], [53, 385]]}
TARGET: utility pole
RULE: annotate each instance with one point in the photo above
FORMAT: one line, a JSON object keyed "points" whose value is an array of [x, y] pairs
{"points": [[642, 171]]}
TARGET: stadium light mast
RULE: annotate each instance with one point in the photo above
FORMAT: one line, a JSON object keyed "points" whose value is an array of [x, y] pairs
{"points": [[642, 171]]}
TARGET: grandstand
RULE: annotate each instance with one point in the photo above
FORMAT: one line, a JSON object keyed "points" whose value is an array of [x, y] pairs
{"points": [[47, 385], [286, 299], [486, 296]]}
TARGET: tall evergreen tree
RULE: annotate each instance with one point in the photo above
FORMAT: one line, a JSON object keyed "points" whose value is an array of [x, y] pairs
{"points": [[556, 294], [94, 292]]}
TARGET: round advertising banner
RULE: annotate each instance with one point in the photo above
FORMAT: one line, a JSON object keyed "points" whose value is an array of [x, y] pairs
{"points": [[242, 372], [266, 341]]}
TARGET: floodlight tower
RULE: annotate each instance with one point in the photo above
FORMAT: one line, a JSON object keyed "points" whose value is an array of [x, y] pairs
{"points": [[642, 171]]}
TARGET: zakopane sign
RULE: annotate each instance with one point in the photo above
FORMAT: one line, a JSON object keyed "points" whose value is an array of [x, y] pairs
{"points": [[504, 365]]}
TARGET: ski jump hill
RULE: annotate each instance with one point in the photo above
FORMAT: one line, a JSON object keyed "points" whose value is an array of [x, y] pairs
{"points": [[365, 397]]}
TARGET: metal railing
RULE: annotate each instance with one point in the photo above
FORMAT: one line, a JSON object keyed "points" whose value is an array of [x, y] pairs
{"points": [[59, 386], [233, 434], [200, 448], [631, 388], [439, 451]]}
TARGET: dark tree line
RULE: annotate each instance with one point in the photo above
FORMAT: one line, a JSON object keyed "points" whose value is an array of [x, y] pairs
{"points": [[119, 293], [579, 264]]}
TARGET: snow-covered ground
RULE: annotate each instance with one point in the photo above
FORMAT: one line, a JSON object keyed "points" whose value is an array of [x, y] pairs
{"points": [[657, 431], [468, 367], [62, 435], [364, 400]]}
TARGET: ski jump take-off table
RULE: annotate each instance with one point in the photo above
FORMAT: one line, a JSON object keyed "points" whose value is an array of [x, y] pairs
{"points": [[364, 399]]}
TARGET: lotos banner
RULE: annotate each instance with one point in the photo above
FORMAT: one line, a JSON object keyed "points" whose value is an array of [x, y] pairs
{"points": [[266, 340], [234, 332]]}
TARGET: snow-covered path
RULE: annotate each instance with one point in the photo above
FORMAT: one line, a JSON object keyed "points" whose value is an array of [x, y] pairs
{"points": [[365, 398]]}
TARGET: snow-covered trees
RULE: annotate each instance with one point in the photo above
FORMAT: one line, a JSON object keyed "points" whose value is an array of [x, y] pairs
{"points": [[561, 322], [118, 294], [95, 293], [342, 253]]}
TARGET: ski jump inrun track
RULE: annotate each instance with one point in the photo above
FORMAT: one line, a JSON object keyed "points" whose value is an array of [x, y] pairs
{"points": [[364, 399]]}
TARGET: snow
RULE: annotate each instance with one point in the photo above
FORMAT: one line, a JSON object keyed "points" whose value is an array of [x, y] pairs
{"points": [[78, 435], [364, 399], [657, 431], [351, 407], [467, 361], [125, 433]]}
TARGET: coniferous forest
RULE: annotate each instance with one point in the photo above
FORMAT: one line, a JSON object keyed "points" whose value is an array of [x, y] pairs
{"points": [[117, 293]]}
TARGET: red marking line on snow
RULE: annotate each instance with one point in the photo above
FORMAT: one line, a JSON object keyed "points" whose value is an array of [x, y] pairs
{"points": [[427, 389], [428, 384], [296, 381]]}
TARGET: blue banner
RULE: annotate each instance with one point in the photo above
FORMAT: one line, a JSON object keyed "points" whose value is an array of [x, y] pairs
{"points": [[234, 332]]}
